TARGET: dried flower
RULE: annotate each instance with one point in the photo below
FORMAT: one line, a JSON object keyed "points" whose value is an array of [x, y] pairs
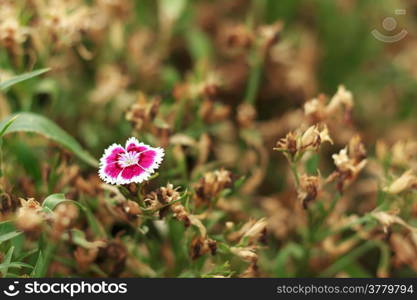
{"points": [[389, 218], [299, 142], [143, 111], [349, 162], [202, 245], [309, 188], [405, 182], [212, 184], [158, 200], [343, 98], [317, 109], [29, 216], [245, 253], [129, 210], [134, 163], [253, 231]]}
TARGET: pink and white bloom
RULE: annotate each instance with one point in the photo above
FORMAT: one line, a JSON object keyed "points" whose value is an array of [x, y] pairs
{"points": [[133, 163]]}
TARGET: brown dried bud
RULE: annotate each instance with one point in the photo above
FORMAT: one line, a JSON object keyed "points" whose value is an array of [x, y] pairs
{"points": [[143, 111], [349, 164], [212, 112], [157, 201], [309, 188], [211, 185], [29, 217], [112, 258], [7, 204], [128, 210], [236, 37], [201, 246], [85, 257]]}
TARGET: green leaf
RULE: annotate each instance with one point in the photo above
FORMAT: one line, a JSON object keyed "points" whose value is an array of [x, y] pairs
{"points": [[54, 200], [9, 233], [7, 259], [30, 122], [347, 259], [9, 236], [15, 265], [16, 79], [39, 267], [6, 125]]}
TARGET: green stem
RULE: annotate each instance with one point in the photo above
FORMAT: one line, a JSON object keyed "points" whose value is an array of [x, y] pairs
{"points": [[295, 173], [254, 77]]}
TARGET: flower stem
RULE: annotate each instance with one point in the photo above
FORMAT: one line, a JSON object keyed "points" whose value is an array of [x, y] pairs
{"points": [[295, 174]]}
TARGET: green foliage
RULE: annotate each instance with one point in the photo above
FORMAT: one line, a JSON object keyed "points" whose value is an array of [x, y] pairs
{"points": [[16, 79], [30, 122]]}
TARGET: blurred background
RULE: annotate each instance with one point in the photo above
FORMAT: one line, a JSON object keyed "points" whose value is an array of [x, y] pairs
{"points": [[217, 83]]}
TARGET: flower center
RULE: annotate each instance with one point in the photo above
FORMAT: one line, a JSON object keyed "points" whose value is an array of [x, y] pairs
{"points": [[128, 159]]}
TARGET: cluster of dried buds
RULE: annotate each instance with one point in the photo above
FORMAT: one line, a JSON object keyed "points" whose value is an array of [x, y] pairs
{"points": [[143, 111], [201, 245], [318, 110], [295, 144], [31, 217], [211, 185], [12, 33], [167, 198], [206, 87], [237, 38], [401, 154], [349, 162], [142, 114]]}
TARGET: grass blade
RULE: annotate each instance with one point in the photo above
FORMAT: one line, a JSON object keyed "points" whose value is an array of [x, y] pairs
{"points": [[16, 79]]}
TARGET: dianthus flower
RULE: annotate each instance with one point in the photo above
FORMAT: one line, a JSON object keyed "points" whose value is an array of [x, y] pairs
{"points": [[133, 163]]}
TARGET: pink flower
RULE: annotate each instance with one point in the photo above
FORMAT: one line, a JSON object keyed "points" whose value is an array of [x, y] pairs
{"points": [[133, 163]]}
